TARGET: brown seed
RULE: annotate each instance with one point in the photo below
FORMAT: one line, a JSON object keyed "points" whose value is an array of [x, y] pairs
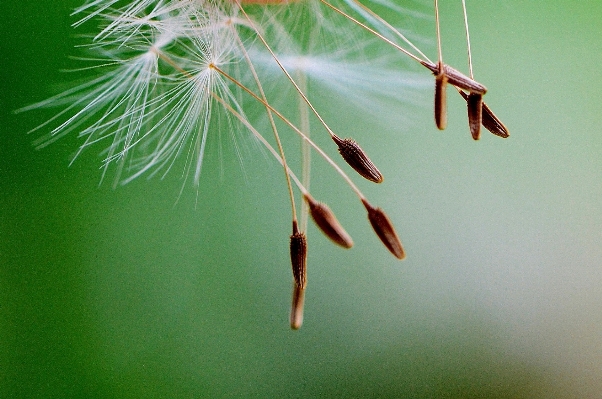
{"points": [[490, 121], [357, 159], [296, 317], [441, 100], [298, 249], [493, 124], [384, 230], [328, 223], [475, 114], [457, 78]]}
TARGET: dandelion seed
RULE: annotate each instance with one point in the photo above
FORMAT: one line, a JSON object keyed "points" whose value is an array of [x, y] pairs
{"points": [[440, 81], [298, 250], [384, 230], [475, 114], [353, 154], [440, 98], [489, 120], [493, 123], [328, 223]]}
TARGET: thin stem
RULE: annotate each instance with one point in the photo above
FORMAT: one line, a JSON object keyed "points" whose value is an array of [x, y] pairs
{"points": [[375, 33], [467, 38], [272, 123], [438, 31], [246, 122], [295, 128], [391, 28], [289, 77], [305, 148]]}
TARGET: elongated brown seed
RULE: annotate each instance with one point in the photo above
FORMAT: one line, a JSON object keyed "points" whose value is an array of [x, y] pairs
{"points": [[457, 78], [441, 99], [384, 230], [475, 114], [298, 249], [296, 317], [489, 120], [357, 159], [493, 124], [328, 223]]}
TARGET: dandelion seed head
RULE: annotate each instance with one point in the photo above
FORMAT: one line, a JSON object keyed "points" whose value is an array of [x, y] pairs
{"points": [[152, 102], [167, 77]]}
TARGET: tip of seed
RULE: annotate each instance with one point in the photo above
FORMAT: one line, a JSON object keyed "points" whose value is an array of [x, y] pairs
{"points": [[384, 230], [489, 120], [296, 317], [475, 114], [493, 124], [353, 154], [328, 223]]}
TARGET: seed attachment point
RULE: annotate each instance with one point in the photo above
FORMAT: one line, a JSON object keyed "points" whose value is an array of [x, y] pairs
{"points": [[456, 78]]}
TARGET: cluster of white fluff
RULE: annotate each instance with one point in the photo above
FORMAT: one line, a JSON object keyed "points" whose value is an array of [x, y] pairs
{"points": [[154, 100]]}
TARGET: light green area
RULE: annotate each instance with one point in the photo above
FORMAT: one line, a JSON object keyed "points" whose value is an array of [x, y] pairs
{"points": [[119, 293]]}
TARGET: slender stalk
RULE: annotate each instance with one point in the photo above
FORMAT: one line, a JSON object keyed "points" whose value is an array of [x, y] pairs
{"points": [[391, 28], [467, 38], [259, 136], [272, 123], [289, 77], [295, 128], [375, 33], [440, 56], [305, 148]]}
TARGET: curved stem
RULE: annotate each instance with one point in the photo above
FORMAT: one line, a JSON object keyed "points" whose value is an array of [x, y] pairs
{"points": [[467, 38]]}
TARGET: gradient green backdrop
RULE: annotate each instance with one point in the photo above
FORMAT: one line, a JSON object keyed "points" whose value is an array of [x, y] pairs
{"points": [[118, 293]]}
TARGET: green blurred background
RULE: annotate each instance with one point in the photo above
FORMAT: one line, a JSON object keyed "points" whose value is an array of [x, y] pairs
{"points": [[119, 293]]}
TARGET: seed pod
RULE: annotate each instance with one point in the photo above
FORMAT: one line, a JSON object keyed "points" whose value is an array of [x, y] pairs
{"points": [[328, 223], [457, 78], [296, 317], [384, 230], [298, 249], [357, 159], [475, 114], [441, 100], [490, 121]]}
